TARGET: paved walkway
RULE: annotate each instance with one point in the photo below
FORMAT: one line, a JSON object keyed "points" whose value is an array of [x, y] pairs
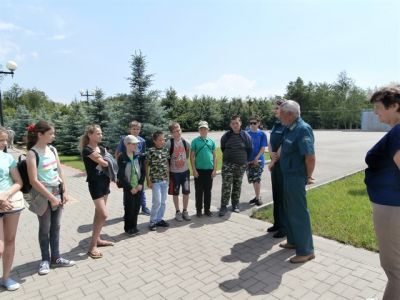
{"points": [[207, 258]]}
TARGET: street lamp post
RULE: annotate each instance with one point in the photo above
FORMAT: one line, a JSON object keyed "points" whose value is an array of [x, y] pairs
{"points": [[11, 66], [85, 93]]}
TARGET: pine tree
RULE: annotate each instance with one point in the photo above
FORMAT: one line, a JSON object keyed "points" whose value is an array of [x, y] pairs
{"points": [[21, 121]]}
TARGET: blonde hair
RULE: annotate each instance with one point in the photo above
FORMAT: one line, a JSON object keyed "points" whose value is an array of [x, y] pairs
{"points": [[84, 139]]}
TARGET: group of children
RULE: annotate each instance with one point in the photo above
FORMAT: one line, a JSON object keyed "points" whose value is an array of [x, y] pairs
{"points": [[166, 169]]}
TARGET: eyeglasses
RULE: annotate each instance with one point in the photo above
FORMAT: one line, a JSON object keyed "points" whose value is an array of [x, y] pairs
{"points": [[253, 123]]}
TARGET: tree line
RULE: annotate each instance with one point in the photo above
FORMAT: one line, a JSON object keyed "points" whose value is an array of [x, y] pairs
{"points": [[335, 105]]}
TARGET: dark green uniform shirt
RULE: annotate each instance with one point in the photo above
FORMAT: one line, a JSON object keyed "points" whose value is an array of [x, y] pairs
{"points": [[298, 141], [276, 136]]}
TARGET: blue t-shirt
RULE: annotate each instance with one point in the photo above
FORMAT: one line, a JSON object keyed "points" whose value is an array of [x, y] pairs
{"points": [[258, 139], [382, 177], [298, 141], [7, 162]]}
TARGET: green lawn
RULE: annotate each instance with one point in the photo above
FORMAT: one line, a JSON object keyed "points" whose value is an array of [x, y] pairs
{"points": [[340, 211]]}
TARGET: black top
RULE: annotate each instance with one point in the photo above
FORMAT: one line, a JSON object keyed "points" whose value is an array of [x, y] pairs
{"points": [[236, 147], [90, 164]]}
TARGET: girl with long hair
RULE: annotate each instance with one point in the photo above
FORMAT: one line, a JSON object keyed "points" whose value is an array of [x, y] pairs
{"points": [[48, 194], [10, 184], [98, 182]]}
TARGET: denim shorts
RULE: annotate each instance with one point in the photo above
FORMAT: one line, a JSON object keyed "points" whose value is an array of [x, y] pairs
{"points": [[11, 212], [176, 180]]}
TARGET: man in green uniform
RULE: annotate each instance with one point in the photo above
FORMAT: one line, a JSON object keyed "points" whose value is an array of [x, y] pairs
{"points": [[297, 163], [274, 145]]}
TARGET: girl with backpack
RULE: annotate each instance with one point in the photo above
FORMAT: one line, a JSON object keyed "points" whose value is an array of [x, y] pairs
{"points": [[48, 194], [10, 184], [98, 182]]}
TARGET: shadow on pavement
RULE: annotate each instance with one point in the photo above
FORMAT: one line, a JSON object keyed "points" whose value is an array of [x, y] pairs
{"points": [[262, 276], [88, 227]]}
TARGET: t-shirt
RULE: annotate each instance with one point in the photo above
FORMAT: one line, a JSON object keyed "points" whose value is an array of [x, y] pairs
{"points": [[236, 147], [259, 139], [298, 141], [90, 165], [47, 169], [134, 176], [7, 162], [382, 177], [178, 159], [203, 149], [157, 159]]}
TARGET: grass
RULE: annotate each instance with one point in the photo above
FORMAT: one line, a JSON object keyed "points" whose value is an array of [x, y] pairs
{"points": [[73, 161], [340, 211], [76, 162]]}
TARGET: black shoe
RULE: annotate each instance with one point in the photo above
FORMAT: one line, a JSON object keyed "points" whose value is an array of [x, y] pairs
{"points": [[222, 211], [253, 201], [152, 227], [272, 229], [258, 202], [163, 223], [199, 214], [279, 234], [208, 213], [235, 208], [132, 232]]}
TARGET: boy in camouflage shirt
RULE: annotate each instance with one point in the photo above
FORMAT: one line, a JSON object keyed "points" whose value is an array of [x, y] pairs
{"points": [[157, 179]]}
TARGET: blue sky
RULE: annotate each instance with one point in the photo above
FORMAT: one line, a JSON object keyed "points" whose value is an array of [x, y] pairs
{"points": [[213, 47]]}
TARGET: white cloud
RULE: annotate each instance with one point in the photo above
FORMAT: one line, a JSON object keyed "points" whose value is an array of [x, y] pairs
{"points": [[58, 37], [64, 51], [234, 85], [9, 50], [8, 26], [227, 85]]}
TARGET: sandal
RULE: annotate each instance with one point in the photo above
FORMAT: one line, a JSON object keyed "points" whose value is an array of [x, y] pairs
{"points": [[105, 244], [95, 254]]}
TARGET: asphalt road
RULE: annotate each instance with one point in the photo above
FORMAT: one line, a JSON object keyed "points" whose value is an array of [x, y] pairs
{"points": [[338, 153]]}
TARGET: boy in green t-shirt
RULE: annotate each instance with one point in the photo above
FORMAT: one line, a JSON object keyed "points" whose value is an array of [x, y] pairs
{"points": [[204, 166]]}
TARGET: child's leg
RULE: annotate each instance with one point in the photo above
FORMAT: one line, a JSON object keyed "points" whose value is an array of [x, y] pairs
{"points": [[207, 187], [136, 208], [163, 200], [129, 210], [55, 226], [156, 202], [185, 188]]}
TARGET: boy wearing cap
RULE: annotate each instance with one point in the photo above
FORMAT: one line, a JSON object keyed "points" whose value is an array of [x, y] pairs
{"points": [[131, 175], [204, 167], [134, 129]]}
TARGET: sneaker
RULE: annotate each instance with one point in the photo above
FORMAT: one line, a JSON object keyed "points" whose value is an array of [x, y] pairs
{"points": [[222, 211], [235, 208], [145, 211], [44, 268], [62, 262], [163, 223], [258, 202], [185, 216], [253, 201], [152, 227], [10, 285], [178, 216], [132, 232], [208, 213]]}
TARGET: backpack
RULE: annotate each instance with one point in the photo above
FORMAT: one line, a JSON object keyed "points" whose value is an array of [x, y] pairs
{"points": [[171, 148], [23, 170]]}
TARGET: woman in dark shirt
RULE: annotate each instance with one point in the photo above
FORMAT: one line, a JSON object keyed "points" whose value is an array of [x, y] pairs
{"points": [[382, 178], [98, 182]]}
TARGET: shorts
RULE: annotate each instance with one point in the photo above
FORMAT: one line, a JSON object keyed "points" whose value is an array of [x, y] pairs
{"points": [[10, 212], [99, 187], [176, 180], [254, 173]]}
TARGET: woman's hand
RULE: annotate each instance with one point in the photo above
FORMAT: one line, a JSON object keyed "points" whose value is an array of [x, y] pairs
{"points": [[5, 205]]}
